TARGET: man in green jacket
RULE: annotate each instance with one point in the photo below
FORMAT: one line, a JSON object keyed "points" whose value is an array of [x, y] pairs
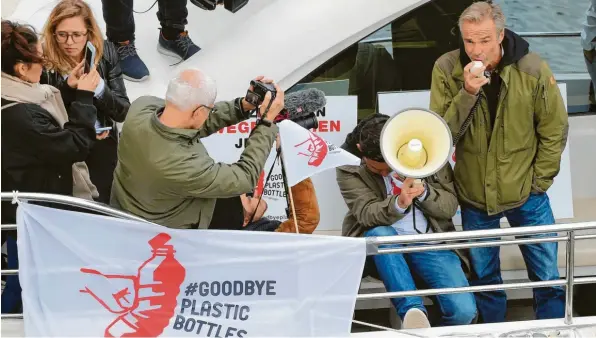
{"points": [[381, 204], [164, 173], [509, 124]]}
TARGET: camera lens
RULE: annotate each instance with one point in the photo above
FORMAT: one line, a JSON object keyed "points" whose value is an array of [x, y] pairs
{"points": [[307, 122]]}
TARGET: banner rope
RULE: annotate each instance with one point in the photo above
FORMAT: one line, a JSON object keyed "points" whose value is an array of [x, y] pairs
{"points": [[15, 197]]}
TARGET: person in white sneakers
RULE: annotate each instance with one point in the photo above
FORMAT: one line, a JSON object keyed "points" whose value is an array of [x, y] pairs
{"points": [[381, 203]]}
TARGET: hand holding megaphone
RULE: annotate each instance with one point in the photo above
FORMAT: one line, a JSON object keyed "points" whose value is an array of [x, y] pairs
{"points": [[411, 188], [474, 77]]}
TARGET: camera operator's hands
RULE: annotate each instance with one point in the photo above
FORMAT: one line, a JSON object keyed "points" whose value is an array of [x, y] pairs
{"points": [[276, 106], [246, 106]]}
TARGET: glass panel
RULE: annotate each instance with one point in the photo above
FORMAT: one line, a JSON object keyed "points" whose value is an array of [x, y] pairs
{"points": [[401, 55], [564, 55]]}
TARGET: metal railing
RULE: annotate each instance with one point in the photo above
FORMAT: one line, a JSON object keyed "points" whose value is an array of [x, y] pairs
{"points": [[522, 34], [436, 241], [488, 236]]}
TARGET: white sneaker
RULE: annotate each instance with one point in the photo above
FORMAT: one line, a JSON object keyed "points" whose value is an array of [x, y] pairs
{"points": [[415, 319]]}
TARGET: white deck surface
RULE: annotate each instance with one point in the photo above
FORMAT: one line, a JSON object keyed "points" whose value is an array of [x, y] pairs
{"points": [[489, 330], [14, 328]]}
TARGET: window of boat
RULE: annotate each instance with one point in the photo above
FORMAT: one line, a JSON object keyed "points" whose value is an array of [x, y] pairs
{"points": [[400, 56]]}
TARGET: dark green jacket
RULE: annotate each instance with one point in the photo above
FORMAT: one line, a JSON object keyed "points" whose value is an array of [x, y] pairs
{"points": [[365, 194], [166, 176], [498, 166]]}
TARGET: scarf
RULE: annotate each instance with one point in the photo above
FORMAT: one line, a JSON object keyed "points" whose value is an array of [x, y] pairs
{"points": [[49, 98]]}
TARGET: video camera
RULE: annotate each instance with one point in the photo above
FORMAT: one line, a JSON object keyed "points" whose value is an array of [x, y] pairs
{"points": [[300, 106], [209, 5]]}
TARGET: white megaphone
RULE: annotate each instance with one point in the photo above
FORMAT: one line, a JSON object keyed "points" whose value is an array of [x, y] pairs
{"points": [[416, 143]]}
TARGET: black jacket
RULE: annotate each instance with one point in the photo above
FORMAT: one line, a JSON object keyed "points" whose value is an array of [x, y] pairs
{"points": [[114, 103], [38, 154], [112, 107]]}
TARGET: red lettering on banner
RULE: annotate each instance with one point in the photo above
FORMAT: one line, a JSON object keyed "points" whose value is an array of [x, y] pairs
{"points": [[242, 128], [323, 126], [335, 125], [326, 126]]}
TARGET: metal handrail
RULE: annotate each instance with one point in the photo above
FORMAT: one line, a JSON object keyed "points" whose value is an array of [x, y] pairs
{"points": [[68, 200], [549, 34], [373, 243], [522, 34]]}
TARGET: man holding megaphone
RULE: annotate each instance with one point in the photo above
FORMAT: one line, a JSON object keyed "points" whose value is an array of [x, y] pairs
{"points": [[383, 203], [510, 128]]}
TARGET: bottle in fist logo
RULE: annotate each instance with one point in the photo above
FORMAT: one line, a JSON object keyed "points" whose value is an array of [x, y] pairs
{"points": [[156, 287], [315, 148]]}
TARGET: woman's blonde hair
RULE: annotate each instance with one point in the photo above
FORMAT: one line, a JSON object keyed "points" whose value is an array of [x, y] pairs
{"points": [[65, 9]]}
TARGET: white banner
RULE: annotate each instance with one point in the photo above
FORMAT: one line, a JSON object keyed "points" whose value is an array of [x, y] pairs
{"points": [[306, 153], [90, 275], [560, 193], [336, 120]]}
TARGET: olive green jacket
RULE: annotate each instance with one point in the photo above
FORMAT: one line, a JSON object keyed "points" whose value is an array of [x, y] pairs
{"points": [[365, 194], [498, 166], [166, 176]]}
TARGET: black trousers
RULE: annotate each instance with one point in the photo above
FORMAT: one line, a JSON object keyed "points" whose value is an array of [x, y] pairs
{"points": [[229, 215], [102, 161], [120, 22]]}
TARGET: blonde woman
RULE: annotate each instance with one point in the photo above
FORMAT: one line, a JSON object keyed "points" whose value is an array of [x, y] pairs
{"points": [[70, 26]]}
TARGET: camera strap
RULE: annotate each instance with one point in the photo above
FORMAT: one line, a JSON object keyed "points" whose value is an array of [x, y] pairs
{"points": [[264, 185]]}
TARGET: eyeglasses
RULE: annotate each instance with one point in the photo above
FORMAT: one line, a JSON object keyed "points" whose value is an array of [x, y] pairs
{"points": [[62, 37], [211, 109]]}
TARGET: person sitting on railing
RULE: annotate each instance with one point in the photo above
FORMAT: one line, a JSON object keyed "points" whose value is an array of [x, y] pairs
{"points": [[381, 205], [246, 212], [509, 125], [43, 143]]}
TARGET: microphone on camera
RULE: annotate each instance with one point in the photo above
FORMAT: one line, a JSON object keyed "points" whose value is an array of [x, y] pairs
{"points": [[303, 102]]}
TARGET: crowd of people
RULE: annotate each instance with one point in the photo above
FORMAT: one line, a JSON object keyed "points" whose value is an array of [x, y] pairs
{"points": [[508, 120]]}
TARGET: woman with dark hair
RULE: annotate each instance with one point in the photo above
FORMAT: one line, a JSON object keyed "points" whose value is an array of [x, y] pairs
{"points": [[70, 27], [43, 143]]}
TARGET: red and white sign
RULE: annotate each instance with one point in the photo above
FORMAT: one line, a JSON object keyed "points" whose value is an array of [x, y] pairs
{"points": [[306, 153], [99, 276], [336, 120]]}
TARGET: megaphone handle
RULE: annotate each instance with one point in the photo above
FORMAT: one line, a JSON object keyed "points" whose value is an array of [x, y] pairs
{"points": [[417, 182]]}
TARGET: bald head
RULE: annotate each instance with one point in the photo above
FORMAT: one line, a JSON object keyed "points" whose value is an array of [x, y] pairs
{"points": [[191, 88]]}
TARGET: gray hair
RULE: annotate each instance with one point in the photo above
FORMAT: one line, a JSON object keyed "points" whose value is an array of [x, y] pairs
{"points": [[480, 11], [191, 88]]}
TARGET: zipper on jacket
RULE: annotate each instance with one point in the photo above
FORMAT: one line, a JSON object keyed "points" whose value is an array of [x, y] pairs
{"points": [[544, 98], [445, 92]]}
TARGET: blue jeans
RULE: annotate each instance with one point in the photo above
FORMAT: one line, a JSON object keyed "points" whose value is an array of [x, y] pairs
{"points": [[540, 259], [437, 269]]}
